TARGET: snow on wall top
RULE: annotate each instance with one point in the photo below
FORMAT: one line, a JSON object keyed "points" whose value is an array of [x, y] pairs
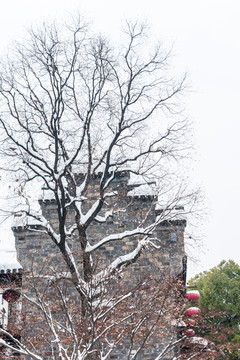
{"points": [[174, 213], [143, 190], [139, 188], [8, 261], [23, 220], [46, 195]]}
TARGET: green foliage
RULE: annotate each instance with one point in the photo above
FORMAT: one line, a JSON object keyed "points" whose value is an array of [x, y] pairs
{"points": [[236, 339], [220, 288], [220, 304]]}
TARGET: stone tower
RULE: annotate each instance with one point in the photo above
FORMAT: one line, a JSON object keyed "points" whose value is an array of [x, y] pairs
{"points": [[33, 247], [35, 251]]}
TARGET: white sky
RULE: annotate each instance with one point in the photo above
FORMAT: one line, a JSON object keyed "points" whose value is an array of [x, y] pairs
{"points": [[206, 45]]}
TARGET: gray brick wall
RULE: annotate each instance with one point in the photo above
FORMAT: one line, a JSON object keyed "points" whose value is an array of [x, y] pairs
{"points": [[36, 251]]}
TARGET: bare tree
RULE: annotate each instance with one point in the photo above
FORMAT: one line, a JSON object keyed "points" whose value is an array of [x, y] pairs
{"points": [[129, 317], [73, 109]]}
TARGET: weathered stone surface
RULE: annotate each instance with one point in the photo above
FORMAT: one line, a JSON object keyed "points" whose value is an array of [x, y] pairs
{"points": [[36, 251]]}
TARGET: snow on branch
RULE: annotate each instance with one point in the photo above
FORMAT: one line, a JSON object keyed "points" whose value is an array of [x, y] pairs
{"points": [[30, 219], [102, 219], [168, 347], [20, 348], [123, 260], [115, 237]]}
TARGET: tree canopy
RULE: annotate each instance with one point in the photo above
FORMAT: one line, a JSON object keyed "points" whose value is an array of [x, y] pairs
{"points": [[220, 304], [220, 287]]}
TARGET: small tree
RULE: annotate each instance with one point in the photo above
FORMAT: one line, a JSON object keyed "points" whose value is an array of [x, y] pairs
{"points": [[219, 301], [72, 107], [219, 288]]}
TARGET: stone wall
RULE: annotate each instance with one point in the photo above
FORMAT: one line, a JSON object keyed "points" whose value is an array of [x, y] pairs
{"points": [[36, 252]]}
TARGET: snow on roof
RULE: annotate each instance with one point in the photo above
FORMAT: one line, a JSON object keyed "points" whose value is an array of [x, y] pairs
{"points": [[8, 261], [175, 213], [140, 188], [46, 194], [23, 220], [143, 190]]}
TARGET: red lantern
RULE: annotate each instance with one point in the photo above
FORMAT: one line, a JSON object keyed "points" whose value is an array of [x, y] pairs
{"points": [[11, 295], [189, 332], [192, 311], [192, 295]]}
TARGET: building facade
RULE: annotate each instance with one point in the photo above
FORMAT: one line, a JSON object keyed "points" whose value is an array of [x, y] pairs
{"points": [[37, 253]]}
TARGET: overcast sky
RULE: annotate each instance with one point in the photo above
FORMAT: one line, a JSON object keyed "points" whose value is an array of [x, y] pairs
{"points": [[205, 35]]}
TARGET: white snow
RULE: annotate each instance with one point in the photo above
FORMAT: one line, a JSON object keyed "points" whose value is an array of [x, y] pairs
{"points": [[119, 236], [144, 190], [175, 213], [46, 194], [8, 260], [23, 220]]}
